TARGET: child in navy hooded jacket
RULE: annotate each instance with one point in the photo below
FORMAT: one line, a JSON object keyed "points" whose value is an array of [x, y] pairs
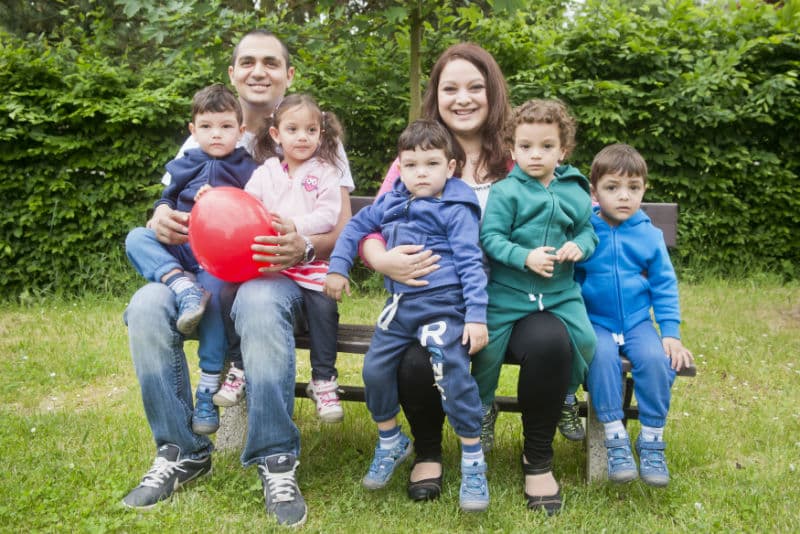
{"points": [[447, 316], [630, 273], [217, 126]]}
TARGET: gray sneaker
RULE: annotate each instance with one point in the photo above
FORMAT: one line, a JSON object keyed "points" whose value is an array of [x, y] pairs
{"points": [[191, 306], [282, 497], [487, 427], [168, 473]]}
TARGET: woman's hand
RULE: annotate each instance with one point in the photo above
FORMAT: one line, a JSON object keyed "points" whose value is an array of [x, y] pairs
{"points": [[171, 226], [403, 263], [286, 249]]}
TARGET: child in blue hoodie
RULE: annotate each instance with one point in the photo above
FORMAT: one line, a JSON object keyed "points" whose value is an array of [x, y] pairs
{"points": [[630, 273], [447, 315], [217, 126]]}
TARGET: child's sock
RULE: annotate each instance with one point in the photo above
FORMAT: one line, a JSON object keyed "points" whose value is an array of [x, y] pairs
{"points": [[570, 398], [178, 282], [389, 438], [471, 454], [615, 430], [652, 433], [209, 382]]}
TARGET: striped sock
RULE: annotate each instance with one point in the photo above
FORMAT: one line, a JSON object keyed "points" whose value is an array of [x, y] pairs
{"points": [[471, 454], [652, 433], [209, 382], [389, 438], [178, 282]]}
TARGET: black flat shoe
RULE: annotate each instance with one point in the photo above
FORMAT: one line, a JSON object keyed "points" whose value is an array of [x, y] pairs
{"points": [[426, 489], [551, 504]]}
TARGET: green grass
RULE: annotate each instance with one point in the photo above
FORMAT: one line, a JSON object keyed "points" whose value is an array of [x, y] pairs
{"points": [[74, 438]]}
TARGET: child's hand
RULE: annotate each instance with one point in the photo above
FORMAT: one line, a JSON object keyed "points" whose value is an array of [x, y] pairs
{"points": [[678, 354], [334, 285], [201, 191], [569, 252], [541, 261], [476, 334]]}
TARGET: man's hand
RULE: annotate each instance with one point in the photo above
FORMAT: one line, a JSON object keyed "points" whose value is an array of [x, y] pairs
{"points": [[283, 250], [171, 226], [335, 284], [679, 355], [541, 260], [477, 335]]}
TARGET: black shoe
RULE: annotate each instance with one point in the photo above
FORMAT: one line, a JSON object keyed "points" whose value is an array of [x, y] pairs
{"points": [[570, 424], [282, 497], [550, 504], [168, 474], [426, 489]]}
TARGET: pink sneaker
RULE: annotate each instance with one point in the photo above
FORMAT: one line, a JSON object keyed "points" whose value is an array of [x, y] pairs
{"points": [[232, 390], [323, 392]]}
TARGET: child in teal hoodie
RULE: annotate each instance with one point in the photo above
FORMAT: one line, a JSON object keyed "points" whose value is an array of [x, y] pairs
{"points": [[535, 227]]}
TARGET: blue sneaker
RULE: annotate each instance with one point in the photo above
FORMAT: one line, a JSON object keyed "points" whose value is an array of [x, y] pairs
{"points": [[205, 419], [474, 493], [621, 466], [652, 462], [191, 305], [385, 461]]}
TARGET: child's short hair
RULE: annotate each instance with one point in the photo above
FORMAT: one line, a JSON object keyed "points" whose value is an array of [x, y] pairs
{"points": [[618, 158], [216, 98], [552, 111], [427, 134]]}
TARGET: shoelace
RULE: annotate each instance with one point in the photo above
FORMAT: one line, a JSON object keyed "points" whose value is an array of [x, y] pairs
{"points": [[328, 398], [654, 459], [473, 484], [281, 486], [161, 470]]}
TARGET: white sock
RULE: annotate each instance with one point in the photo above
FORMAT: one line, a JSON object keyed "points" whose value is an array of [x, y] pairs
{"points": [[652, 433], [389, 438], [615, 430], [209, 382], [471, 454]]}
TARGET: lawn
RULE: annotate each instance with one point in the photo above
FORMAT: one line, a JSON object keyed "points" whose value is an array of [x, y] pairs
{"points": [[74, 438]]}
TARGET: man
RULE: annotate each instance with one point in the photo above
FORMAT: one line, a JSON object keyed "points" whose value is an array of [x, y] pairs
{"points": [[264, 313]]}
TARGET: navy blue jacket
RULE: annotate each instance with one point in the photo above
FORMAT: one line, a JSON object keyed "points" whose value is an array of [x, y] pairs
{"points": [[448, 226], [196, 169]]}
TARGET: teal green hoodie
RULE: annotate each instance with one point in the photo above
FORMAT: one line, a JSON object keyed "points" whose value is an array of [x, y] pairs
{"points": [[521, 215]]}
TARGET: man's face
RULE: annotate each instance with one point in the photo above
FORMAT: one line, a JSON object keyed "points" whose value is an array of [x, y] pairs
{"points": [[260, 74]]}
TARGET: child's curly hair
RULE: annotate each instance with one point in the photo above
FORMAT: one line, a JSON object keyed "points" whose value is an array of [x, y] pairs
{"points": [[552, 111]]}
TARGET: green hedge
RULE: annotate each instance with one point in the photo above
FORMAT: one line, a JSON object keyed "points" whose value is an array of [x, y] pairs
{"points": [[709, 95]]}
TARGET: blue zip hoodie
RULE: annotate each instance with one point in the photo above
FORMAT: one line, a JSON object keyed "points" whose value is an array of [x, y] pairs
{"points": [[448, 226], [630, 272], [196, 169]]}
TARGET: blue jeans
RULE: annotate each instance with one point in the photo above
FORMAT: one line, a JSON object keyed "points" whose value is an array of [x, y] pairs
{"points": [[264, 314], [153, 260], [650, 368]]}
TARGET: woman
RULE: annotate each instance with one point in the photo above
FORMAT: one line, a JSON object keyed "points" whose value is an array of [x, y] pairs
{"points": [[467, 93]]}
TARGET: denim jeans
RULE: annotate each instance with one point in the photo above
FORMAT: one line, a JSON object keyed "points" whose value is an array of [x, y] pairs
{"points": [[650, 368], [264, 313], [153, 260]]}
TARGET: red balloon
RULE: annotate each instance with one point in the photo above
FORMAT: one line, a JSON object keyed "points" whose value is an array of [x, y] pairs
{"points": [[223, 224]]}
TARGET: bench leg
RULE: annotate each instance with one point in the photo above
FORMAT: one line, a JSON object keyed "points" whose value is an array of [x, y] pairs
{"points": [[596, 462], [232, 428]]}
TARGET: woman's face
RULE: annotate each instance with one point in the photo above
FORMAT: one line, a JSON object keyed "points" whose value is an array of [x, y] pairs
{"points": [[461, 95]]}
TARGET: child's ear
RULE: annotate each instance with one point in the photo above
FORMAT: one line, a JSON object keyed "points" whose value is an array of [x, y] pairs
{"points": [[511, 151], [241, 131], [593, 192], [451, 167], [191, 128], [273, 133]]}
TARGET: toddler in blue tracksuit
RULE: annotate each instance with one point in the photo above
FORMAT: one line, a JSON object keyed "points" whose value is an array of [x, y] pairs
{"points": [[447, 316], [630, 273]]}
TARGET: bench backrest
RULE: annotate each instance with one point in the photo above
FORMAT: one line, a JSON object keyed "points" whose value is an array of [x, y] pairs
{"points": [[664, 216]]}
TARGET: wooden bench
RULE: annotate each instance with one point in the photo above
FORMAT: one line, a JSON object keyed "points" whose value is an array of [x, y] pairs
{"points": [[355, 339]]}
